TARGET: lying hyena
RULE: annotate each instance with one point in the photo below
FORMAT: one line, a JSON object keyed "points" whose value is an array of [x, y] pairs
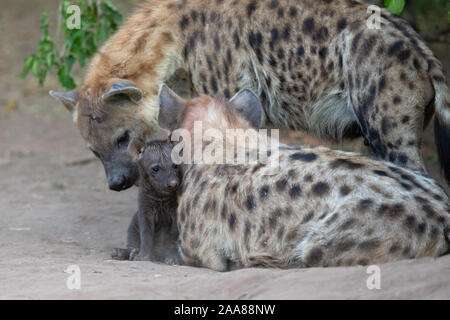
{"points": [[153, 233], [315, 65], [317, 207]]}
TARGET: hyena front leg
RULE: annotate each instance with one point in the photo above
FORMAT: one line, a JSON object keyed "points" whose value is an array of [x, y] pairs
{"points": [[392, 119]]}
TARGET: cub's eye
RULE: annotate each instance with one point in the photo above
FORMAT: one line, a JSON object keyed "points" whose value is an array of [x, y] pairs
{"points": [[155, 169], [123, 140]]}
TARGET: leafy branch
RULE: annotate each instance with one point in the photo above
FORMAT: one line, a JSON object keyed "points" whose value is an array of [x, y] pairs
{"points": [[395, 6], [99, 20]]}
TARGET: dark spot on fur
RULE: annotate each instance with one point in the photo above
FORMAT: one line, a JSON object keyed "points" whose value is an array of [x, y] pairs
{"points": [[320, 189], [369, 244], [365, 204], [224, 212], [273, 4], [342, 24], [295, 192], [314, 256], [308, 217], [237, 40], [344, 190], [250, 203], [251, 8], [347, 224], [306, 157], [281, 184], [264, 192], [184, 22], [345, 163], [345, 245], [381, 173], [308, 25], [232, 221], [410, 222]]}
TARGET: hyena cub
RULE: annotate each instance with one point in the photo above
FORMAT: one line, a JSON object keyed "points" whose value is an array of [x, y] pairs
{"points": [[304, 207], [153, 232]]}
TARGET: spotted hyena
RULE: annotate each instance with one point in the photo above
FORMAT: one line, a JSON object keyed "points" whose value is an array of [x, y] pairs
{"points": [[153, 232], [307, 207], [315, 64]]}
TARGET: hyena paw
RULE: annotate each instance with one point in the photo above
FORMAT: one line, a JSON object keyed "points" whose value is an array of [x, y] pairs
{"points": [[120, 254], [133, 254]]}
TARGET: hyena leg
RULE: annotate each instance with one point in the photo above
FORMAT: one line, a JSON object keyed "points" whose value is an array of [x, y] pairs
{"points": [[392, 119], [133, 239]]}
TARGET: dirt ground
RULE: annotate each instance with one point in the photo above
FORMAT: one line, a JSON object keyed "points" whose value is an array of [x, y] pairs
{"points": [[56, 210]]}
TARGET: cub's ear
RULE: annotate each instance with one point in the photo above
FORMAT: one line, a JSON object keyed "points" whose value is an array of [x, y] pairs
{"points": [[171, 106], [247, 104], [136, 148], [68, 98], [123, 87]]}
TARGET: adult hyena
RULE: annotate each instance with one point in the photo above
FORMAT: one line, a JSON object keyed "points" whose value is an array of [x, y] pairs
{"points": [[307, 207], [315, 65]]}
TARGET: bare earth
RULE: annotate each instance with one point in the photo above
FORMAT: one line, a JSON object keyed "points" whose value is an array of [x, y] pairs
{"points": [[56, 211]]}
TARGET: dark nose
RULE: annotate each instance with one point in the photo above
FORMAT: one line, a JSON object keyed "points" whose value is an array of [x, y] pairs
{"points": [[172, 184], [117, 182]]}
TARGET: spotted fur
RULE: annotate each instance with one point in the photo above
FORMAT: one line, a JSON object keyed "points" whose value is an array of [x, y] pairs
{"points": [[315, 65], [308, 207]]}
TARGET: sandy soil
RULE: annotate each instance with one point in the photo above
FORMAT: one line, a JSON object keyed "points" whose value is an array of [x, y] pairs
{"points": [[55, 212]]}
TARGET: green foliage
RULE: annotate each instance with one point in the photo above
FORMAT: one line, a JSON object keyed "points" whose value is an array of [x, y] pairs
{"points": [[395, 6], [98, 23]]}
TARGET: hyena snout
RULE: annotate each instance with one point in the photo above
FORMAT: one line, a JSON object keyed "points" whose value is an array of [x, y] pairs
{"points": [[172, 184], [122, 175]]}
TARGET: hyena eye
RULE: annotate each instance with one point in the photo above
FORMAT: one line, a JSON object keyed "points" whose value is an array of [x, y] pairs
{"points": [[155, 169], [123, 140]]}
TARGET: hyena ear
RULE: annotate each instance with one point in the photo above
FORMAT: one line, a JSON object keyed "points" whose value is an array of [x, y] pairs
{"points": [[68, 98], [247, 104], [136, 148], [123, 87], [171, 107]]}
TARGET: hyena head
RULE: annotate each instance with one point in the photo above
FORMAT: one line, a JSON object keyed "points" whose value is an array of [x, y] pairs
{"points": [[109, 116], [243, 111], [155, 166]]}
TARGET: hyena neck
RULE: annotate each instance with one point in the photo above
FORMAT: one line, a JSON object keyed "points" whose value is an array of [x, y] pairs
{"points": [[146, 50]]}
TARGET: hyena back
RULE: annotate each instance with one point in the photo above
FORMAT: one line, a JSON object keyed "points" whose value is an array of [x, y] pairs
{"points": [[308, 207], [316, 66]]}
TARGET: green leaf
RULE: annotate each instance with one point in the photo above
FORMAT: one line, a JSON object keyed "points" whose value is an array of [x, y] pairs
{"points": [[65, 78], [27, 66], [395, 6], [35, 68], [80, 44]]}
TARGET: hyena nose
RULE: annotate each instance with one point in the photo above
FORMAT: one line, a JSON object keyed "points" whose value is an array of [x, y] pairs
{"points": [[117, 183], [172, 184]]}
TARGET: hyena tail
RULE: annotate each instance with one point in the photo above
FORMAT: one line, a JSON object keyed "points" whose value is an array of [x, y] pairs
{"points": [[442, 122]]}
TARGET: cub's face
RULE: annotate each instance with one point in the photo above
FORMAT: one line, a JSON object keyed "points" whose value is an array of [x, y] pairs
{"points": [[158, 169]]}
